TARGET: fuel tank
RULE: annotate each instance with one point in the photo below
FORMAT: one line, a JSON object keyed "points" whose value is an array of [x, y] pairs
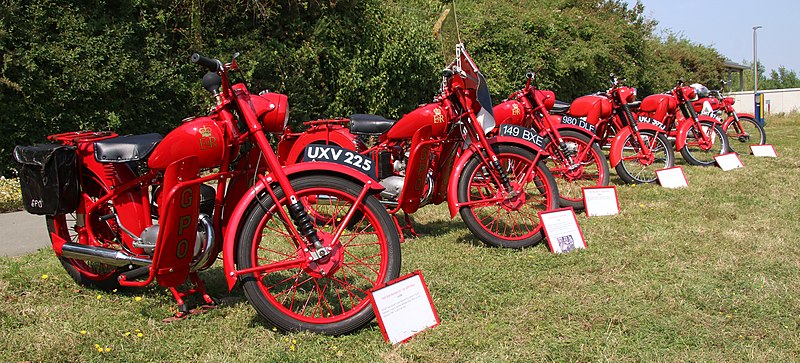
{"points": [[658, 105], [437, 115], [592, 107], [509, 112], [698, 105], [200, 137]]}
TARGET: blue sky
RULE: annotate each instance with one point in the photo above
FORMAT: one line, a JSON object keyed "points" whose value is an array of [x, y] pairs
{"points": [[728, 27]]}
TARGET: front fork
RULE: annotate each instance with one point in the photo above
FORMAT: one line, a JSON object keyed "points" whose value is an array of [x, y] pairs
{"points": [[492, 157], [638, 142]]}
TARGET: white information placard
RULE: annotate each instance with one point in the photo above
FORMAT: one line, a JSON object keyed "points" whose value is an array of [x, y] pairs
{"points": [[404, 308], [672, 178], [766, 150], [562, 230], [600, 201], [729, 161]]}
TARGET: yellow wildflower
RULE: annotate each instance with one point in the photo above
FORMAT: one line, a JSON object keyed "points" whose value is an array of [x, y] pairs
{"points": [[44, 277], [139, 335], [83, 332], [99, 297], [138, 298]]}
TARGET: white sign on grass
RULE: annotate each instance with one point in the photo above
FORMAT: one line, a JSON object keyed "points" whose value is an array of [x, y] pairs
{"points": [[562, 230], [763, 150], [672, 178], [404, 308], [600, 201], [728, 161]]}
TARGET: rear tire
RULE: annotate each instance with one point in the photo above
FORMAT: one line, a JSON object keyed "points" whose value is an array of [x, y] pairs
{"points": [[296, 297], [86, 273]]}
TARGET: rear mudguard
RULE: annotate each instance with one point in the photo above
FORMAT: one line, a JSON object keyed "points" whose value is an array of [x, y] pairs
{"points": [[294, 171], [452, 185], [338, 136], [684, 127], [615, 154]]}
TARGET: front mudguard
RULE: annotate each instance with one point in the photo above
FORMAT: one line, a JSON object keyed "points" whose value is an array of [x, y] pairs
{"points": [[294, 171], [615, 154], [740, 115], [452, 185], [684, 127]]}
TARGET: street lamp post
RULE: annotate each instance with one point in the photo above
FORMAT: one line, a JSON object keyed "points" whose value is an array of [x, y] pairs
{"points": [[755, 58]]}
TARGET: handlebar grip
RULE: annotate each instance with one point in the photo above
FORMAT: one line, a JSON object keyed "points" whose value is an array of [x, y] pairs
{"points": [[213, 65]]}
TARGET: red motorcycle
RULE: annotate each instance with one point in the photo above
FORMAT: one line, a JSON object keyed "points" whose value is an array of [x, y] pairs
{"points": [[638, 147], [575, 160], [130, 210], [699, 138], [742, 128], [439, 152]]}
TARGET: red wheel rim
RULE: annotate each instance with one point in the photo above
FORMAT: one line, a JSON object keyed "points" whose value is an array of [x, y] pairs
{"points": [[68, 228], [509, 220], [298, 291], [587, 174]]}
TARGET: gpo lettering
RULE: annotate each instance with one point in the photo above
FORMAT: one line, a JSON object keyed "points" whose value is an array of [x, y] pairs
{"points": [[570, 120]]}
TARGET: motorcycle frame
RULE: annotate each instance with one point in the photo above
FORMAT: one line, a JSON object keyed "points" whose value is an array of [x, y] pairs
{"points": [[130, 197]]}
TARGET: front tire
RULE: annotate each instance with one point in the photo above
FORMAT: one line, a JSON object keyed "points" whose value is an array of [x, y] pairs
{"points": [[747, 132], [593, 169], [303, 295], [695, 155], [496, 219], [633, 170]]}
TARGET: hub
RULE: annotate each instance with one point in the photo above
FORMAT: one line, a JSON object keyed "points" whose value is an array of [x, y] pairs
{"points": [[327, 265]]}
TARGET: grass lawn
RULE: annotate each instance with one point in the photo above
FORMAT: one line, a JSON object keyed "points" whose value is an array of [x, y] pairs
{"points": [[707, 273]]}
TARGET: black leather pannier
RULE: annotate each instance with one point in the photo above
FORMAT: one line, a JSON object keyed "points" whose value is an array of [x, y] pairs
{"points": [[48, 177]]}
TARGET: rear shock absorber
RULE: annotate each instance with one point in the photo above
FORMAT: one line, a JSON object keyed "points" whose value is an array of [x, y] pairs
{"points": [[306, 228]]}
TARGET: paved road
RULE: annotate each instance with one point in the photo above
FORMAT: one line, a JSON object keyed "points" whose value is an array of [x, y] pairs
{"points": [[22, 233]]}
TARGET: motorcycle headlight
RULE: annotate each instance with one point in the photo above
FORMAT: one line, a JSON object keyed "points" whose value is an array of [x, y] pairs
{"points": [[272, 110]]}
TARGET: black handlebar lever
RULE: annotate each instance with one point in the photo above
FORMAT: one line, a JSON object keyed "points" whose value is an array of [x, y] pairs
{"points": [[213, 65]]}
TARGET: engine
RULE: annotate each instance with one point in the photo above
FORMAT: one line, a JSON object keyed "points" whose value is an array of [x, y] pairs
{"points": [[392, 176], [205, 240]]}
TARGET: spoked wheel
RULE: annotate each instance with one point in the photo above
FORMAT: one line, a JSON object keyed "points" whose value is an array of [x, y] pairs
{"points": [[70, 228], [500, 218], [589, 169], [696, 152], [328, 295], [744, 133], [635, 167]]}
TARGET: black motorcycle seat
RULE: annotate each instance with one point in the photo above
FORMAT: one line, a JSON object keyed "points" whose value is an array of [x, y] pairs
{"points": [[123, 149], [633, 106], [369, 124], [560, 107]]}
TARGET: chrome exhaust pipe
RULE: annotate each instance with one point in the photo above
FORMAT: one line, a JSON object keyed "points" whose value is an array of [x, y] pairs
{"points": [[102, 255], [208, 244]]}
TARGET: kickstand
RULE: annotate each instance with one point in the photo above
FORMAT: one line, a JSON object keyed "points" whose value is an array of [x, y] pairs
{"points": [[408, 226], [183, 309]]}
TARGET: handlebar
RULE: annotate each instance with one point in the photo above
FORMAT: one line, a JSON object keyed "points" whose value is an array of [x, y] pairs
{"points": [[213, 65]]}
